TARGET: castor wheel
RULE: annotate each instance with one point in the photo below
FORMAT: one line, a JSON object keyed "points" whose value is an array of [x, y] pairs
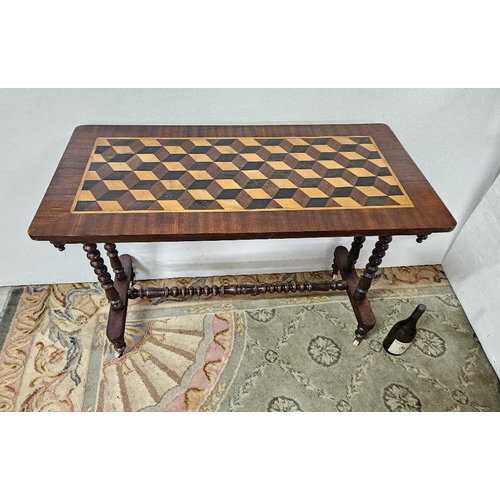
{"points": [[120, 350]]}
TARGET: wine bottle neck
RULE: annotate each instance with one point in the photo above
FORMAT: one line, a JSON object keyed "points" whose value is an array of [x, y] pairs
{"points": [[417, 313]]}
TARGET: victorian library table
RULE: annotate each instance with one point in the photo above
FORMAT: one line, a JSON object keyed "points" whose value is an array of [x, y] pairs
{"points": [[176, 183]]}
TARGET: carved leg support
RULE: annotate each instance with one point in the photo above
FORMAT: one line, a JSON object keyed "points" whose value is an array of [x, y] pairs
{"points": [[372, 267], [114, 260]]}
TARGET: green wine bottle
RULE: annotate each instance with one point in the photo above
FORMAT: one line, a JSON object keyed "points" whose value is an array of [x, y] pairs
{"points": [[403, 333]]}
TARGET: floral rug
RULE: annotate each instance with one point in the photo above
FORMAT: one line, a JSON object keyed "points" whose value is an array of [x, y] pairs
{"points": [[273, 353]]}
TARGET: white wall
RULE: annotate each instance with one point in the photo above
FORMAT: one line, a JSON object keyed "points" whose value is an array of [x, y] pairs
{"points": [[452, 134], [473, 268]]}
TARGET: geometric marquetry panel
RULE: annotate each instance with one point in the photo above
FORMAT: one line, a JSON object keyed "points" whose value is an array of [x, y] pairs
{"points": [[237, 173]]}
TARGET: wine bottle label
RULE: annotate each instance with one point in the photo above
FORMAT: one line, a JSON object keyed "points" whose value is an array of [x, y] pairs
{"points": [[398, 347]]}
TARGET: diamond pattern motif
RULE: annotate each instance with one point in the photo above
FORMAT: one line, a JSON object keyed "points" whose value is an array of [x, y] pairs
{"points": [[238, 173]]}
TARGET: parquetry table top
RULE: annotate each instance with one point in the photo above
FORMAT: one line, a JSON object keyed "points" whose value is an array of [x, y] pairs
{"points": [[145, 183]]}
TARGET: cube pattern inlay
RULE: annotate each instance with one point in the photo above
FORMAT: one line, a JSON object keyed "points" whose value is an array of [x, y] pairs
{"points": [[237, 173]]}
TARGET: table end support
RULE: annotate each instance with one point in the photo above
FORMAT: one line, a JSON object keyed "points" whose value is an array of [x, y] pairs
{"points": [[115, 331], [362, 309]]}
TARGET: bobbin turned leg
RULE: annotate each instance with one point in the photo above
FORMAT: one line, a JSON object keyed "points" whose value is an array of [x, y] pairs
{"points": [[371, 269], [364, 283], [351, 258], [103, 276], [335, 269], [353, 255], [117, 296], [115, 261]]}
